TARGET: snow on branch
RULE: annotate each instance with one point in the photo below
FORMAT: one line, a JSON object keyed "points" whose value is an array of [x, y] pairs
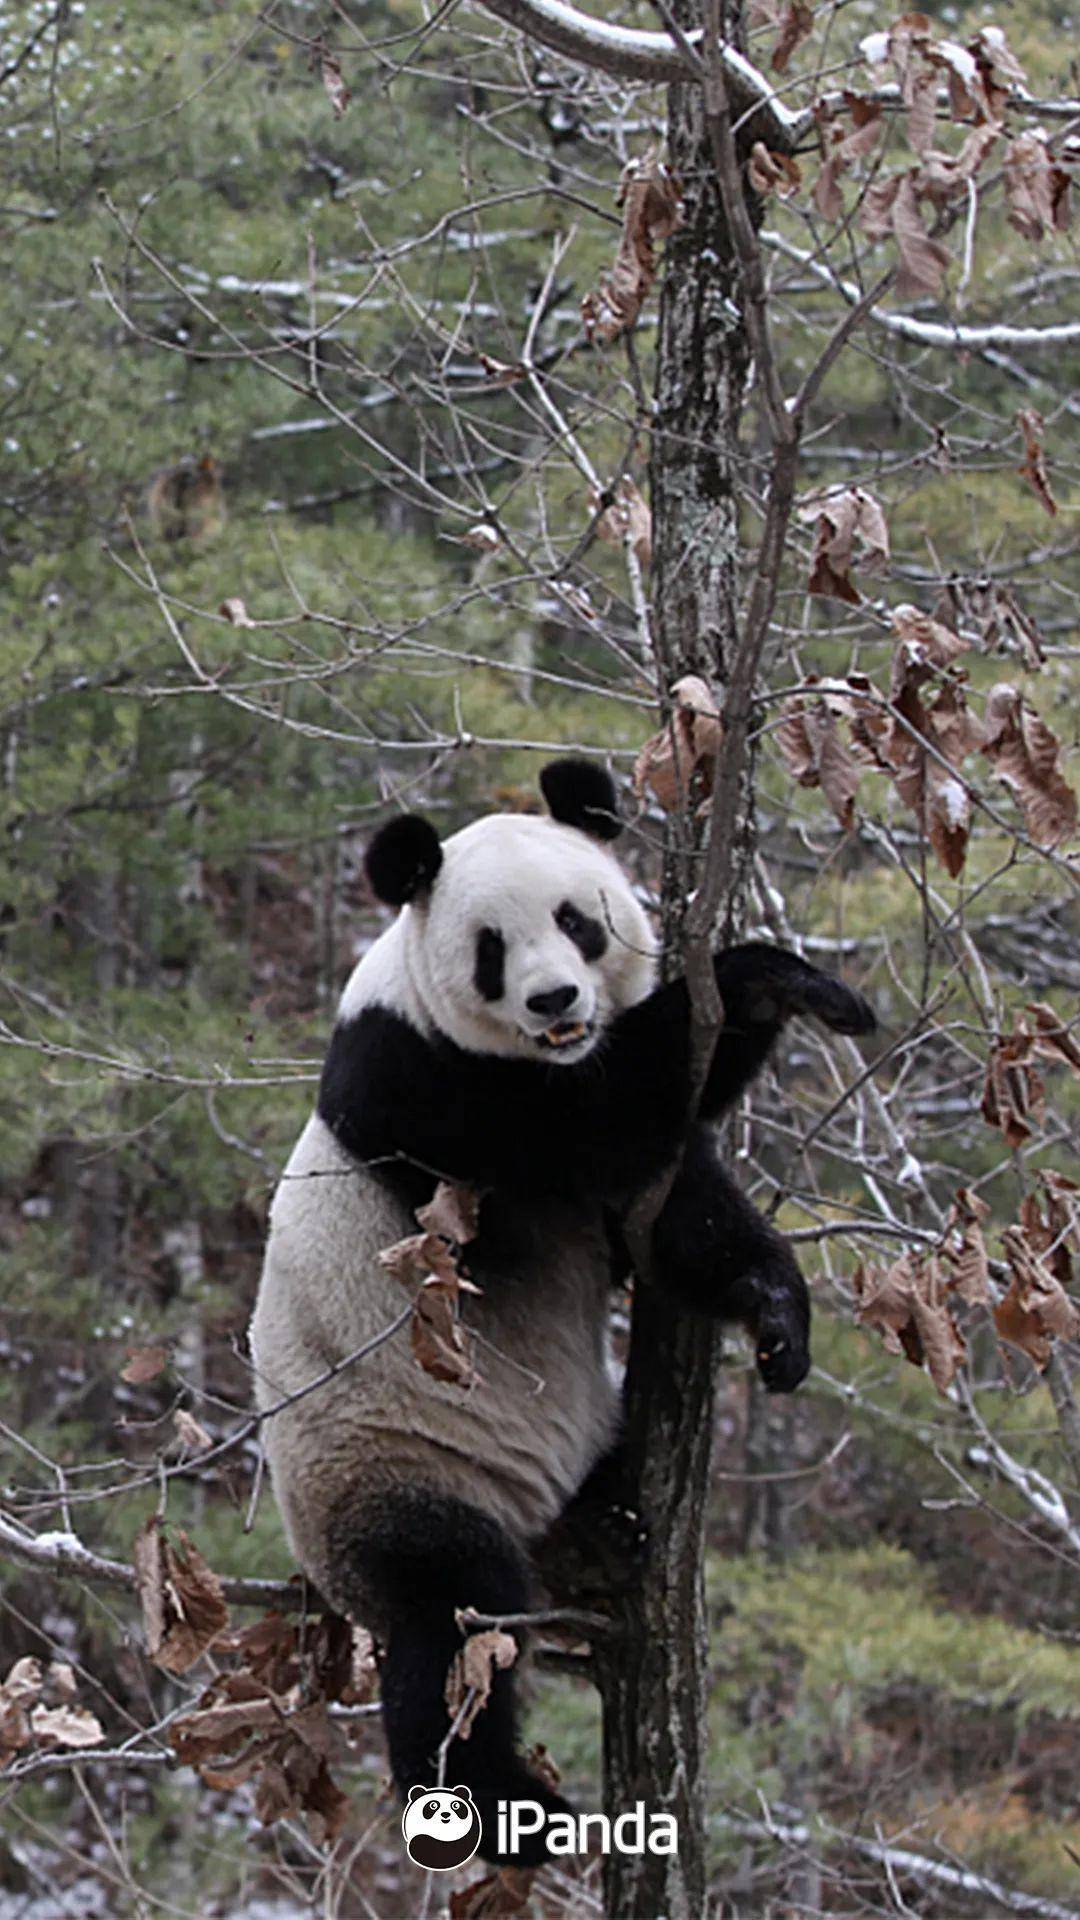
{"points": [[64, 1554], [901, 1860], [930, 333], [632, 53]]}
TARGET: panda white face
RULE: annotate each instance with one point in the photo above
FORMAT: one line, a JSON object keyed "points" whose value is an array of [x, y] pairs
{"points": [[530, 941]]}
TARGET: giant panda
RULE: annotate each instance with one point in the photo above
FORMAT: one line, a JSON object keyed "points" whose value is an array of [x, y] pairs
{"points": [[507, 1032]]}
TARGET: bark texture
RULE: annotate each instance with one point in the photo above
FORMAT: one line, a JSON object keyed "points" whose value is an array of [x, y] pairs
{"points": [[652, 1675]]}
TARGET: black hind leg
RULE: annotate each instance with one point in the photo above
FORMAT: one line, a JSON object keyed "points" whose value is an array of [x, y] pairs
{"points": [[411, 1558]]}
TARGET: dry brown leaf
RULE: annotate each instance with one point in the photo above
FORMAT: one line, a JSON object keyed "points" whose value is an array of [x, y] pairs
{"points": [[651, 198], [841, 517], [453, 1211], [17, 1695], [964, 1248], [626, 518], [440, 1344], [334, 82], [1053, 1038], [773, 172], [1031, 425], [923, 262], [472, 1672], [928, 640], [999, 70], [1036, 1311], [1036, 188], [842, 149], [504, 373], [1024, 755], [236, 612], [909, 1305], [809, 739], [66, 1726], [678, 764], [1013, 1094], [61, 1680], [998, 615], [182, 1604], [482, 537], [943, 177], [192, 1437], [143, 1364], [417, 1258], [793, 21], [499, 1896]]}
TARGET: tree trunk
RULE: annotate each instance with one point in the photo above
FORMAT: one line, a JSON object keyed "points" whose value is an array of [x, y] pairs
{"points": [[652, 1675]]}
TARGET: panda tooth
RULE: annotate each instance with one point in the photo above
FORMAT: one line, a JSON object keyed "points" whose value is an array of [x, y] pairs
{"points": [[565, 1036]]}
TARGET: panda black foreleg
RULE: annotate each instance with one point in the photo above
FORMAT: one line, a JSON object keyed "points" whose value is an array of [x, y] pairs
{"points": [[718, 1256], [412, 1558], [761, 988]]}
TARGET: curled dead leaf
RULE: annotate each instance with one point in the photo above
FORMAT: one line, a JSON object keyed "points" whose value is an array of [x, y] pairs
{"points": [[453, 1211], [1036, 188], [1036, 1310], [793, 21], [193, 1438], [1053, 1038], [236, 612], [651, 199], [809, 739], [66, 1726], [1024, 754], [909, 1305], [440, 1343], [143, 1364], [1014, 1096], [498, 1896], [483, 537], [843, 146], [182, 1604], [843, 517], [678, 764], [334, 82], [773, 172], [472, 1673], [964, 1248], [626, 519], [1031, 425]]}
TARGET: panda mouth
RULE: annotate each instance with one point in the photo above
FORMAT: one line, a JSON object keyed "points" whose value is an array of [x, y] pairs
{"points": [[565, 1033]]}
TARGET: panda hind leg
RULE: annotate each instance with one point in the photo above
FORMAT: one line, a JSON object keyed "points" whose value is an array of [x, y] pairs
{"points": [[409, 1558]]}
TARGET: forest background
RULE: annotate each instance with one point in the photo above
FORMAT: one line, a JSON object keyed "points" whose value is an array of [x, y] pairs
{"points": [[321, 492]]}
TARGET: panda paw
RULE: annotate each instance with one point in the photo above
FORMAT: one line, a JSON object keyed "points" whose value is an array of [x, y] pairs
{"points": [[759, 982], [834, 1004], [783, 1358], [780, 1325]]}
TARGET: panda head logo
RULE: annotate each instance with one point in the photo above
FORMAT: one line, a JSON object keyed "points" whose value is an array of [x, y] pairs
{"points": [[441, 1827]]}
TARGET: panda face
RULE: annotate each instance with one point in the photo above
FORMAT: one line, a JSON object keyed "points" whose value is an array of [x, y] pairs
{"points": [[441, 1827], [530, 941]]}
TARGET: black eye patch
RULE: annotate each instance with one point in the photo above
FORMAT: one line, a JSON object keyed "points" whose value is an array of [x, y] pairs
{"points": [[489, 974], [586, 933]]}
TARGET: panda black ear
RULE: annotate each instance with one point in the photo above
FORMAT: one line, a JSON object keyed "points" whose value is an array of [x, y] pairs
{"points": [[403, 859], [462, 1793], [413, 1791], [581, 794]]}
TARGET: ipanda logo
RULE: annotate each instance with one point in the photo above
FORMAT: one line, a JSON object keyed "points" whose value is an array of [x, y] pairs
{"points": [[634, 1831], [442, 1828]]}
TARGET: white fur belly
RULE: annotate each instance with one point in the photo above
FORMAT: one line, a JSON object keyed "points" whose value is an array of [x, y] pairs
{"points": [[517, 1443]]}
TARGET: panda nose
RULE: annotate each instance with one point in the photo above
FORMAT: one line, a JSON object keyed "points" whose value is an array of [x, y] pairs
{"points": [[550, 1005]]}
